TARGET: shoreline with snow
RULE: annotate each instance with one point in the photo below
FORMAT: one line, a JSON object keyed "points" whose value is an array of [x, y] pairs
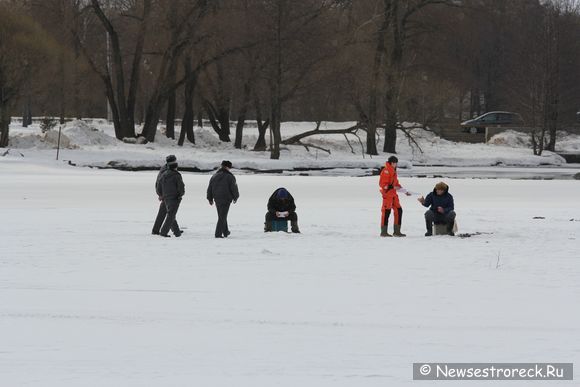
{"points": [[92, 144]]}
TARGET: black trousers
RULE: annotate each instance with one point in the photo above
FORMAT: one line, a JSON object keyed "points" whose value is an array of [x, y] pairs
{"points": [[292, 217], [398, 214], [438, 218], [161, 214], [221, 228], [171, 207]]}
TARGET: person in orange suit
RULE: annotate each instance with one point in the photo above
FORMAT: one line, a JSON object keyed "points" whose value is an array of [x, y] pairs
{"points": [[389, 185]]}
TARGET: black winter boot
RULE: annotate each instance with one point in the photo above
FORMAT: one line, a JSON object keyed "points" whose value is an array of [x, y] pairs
{"points": [[384, 232], [267, 226], [398, 232], [429, 226], [294, 227], [450, 229]]}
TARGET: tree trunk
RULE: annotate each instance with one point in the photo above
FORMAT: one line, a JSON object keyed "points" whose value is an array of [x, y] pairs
{"points": [[161, 91], [275, 130], [276, 92], [27, 114], [119, 88], [390, 144], [218, 110], [4, 124], [373, 92], [124, 127], [62, 87], [240, 130], [136, 66], [200, 118], [188, 115], [224, 119], [111, 98], [170, 119], [76, 82], [460, 106], [242, 115], [275, 119], [371, 140], [152, 115], [262, 127], [219, 124], [391, 118], [554, 78], [393, 82]]}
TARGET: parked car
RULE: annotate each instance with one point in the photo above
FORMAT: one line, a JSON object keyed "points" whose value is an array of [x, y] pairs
{"points": [[478, 124]]}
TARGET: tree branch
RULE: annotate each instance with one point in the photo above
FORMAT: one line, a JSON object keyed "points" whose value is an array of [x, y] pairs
{"points": [[298, 137]]}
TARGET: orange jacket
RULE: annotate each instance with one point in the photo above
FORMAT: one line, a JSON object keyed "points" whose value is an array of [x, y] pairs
{"points": [[388, 181]]}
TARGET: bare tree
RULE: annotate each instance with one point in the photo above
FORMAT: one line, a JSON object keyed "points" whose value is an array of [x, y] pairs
{"points": [[24, 49], [121, 90], [292, 25]]}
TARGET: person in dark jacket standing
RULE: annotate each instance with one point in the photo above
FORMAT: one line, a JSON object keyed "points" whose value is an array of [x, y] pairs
{"points": [[162, 212], [281, 206], [172, 190], [222, 190], [441, 209]]}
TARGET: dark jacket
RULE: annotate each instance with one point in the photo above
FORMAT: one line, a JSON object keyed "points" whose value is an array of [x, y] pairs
{"points": [[278, 204], [446, 201], [222, 187], [158, 181], [172, 187]]}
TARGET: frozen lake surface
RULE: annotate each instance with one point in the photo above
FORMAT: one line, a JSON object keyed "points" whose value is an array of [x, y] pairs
{"points": [[88, 297]]}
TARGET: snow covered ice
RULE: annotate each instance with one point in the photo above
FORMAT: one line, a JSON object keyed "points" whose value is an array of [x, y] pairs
{"points": [[88, 297]]}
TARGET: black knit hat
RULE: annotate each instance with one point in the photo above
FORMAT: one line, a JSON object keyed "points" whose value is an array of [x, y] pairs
{"points": [[226, 164], [393, 159], [170, 159]]}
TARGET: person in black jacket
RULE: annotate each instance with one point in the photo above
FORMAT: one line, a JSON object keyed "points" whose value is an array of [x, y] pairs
{"points": [[222, 190], [162, 212], [281, 206], [441, 209], [172, 190]]}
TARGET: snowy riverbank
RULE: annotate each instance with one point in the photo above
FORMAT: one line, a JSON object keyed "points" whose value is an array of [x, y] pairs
{"points": [[94, 145]]}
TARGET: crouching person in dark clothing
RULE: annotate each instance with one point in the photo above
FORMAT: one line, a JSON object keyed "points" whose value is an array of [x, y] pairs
{"points": [[441, 209], [281, 206], [172, 190], [223, 190]]}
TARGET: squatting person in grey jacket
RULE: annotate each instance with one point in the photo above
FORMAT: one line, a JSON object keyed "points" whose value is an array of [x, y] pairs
{"points": [[172, 190], [162, 212], [222, 190]]}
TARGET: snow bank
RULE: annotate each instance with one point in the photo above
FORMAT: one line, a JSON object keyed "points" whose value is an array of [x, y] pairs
{"points": [[28, 141], [512, 139], [94, 144], [74, 135], [565, 142], [81, 134]]}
